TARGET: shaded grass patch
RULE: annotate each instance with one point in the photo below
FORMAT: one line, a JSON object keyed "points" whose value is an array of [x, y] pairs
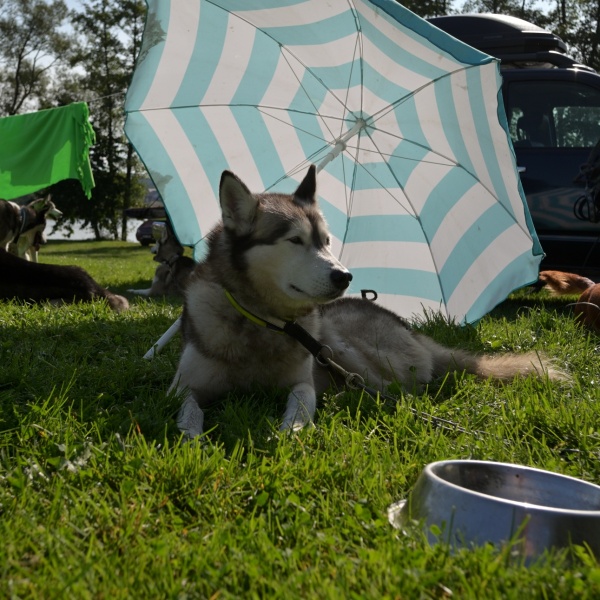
{"points": [[99, 497]]}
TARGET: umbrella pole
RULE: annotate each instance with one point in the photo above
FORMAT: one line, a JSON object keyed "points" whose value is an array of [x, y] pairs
{"points": [[340, 144], [338, 148], [164, 339]]}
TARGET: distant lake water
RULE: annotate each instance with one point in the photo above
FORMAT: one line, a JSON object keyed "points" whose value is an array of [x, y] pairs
{"points": [[81, 233]]}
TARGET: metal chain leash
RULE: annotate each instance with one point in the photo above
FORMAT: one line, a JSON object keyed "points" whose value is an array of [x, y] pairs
{"points": [[356, 382], [351, 380]]}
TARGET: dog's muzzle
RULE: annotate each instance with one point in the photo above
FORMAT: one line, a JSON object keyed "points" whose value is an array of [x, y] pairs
{"points": [[341, 279]]}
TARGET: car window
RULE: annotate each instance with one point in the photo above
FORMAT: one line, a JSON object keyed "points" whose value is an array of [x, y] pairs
{"points": [[553, 114]]}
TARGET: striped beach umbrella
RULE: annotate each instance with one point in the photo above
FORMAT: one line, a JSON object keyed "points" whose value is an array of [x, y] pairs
{"points": [[417, 176]]}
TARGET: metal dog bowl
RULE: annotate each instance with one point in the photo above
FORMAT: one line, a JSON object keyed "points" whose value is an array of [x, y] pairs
{"points": [[474, 502]]}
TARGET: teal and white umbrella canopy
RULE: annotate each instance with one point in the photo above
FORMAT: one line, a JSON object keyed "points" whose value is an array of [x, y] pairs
{"points": [[417, 176]]}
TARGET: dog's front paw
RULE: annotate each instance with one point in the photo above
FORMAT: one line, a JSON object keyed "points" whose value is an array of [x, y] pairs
{"points": [[190, 419], [300, 408], [295, 424]]}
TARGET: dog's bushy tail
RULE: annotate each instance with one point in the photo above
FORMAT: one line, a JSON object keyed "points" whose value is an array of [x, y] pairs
{"points": [[503, 367]]}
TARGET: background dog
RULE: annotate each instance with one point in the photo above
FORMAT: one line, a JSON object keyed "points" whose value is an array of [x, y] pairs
{"points": [[269, 265], [587, 308], [559, 283], [22, 227], [35, 282], [174, 269]]}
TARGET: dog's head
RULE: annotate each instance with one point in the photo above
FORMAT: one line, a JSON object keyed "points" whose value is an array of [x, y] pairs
{"points": [[45, 207], [167, 247], [282, 244], [32, 222]]}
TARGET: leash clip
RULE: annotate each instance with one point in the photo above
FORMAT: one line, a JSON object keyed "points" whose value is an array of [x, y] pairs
{"points": [[324, 361], [355, 381]]}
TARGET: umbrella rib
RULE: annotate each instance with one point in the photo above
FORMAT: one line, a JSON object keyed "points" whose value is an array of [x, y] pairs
{"points": [[306, 67], [392, 106], [358, 49], [382, 112], [336, 59], [316, 110], [416, 216]]}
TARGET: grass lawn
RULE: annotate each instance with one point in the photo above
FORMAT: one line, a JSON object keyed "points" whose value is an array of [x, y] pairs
{"points": [[99, 498]]}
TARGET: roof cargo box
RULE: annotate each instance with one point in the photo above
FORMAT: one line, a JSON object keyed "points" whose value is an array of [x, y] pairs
{"points": [[515, 42], [499, 34]]}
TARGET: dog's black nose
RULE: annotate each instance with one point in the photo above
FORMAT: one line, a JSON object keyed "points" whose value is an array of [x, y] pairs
{"points": [[341, 279]]}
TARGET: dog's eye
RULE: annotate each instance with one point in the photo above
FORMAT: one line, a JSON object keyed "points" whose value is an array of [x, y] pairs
{"points": [[328, 241], [295, 240]]}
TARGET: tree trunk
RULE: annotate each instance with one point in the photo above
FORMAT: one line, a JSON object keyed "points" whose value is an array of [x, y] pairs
{"points": [[127, 193], [592, 60]]}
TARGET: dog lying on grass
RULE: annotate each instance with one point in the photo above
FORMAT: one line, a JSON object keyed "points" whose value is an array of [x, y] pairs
{"points": [[35, 282], [559, 283], [269, 268], [587, 308]]}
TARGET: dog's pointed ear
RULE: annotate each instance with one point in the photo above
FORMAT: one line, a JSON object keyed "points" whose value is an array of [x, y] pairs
{"points": [[307, 190], [38, 204], [238, 205]]}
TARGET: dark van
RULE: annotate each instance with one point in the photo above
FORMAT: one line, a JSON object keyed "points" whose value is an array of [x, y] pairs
{"points": [[553, 111]]}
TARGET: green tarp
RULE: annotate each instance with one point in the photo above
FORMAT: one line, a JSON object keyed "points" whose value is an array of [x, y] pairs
{"points": [[42, 148]]}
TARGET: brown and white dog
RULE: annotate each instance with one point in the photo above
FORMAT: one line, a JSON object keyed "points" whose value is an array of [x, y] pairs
{"points": [[587, 308], [559, 283], [22, 227]]}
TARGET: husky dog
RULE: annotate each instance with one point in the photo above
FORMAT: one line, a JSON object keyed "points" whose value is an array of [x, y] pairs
{"points": [[36, 282], [22, 227], [174, 269], [269, 263]]}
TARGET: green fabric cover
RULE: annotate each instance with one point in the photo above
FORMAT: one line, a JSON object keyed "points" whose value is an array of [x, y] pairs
{"points": [[41, 148]]}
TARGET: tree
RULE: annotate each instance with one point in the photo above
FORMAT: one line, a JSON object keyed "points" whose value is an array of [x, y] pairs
{"points": [[577, 23], [32, 44], [109, 35], [133, 17], [586, 35], [427, 8], [523, 9]]}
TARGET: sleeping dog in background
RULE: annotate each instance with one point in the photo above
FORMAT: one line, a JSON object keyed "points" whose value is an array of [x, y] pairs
{"points": [[36, 282], [22, 227], [174, 269]]}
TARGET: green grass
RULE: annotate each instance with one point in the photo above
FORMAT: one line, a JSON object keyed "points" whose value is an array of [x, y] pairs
{"points": [[99, 498]]}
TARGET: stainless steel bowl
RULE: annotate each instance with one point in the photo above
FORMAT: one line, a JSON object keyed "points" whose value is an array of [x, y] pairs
{"points": [[474, 502]]}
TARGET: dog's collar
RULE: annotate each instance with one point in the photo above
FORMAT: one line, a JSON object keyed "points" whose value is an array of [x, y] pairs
{"points": [[24, 220], [171, 261], [290, 328], [280, 328]]}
